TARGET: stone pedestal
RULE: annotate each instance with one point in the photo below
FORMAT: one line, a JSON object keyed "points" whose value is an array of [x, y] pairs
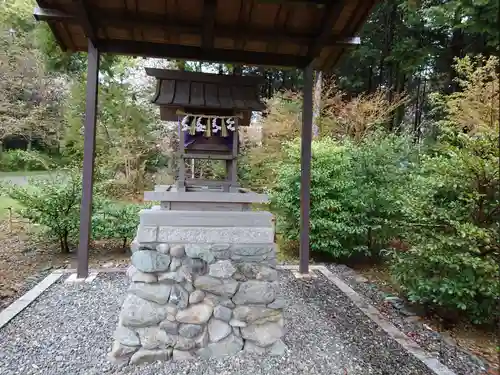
{"points": [[203, 284]]}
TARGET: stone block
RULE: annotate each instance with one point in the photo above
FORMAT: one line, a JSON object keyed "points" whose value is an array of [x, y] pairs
{"points": [[154, 337], [228, 346], [138, 312], [218, 330], [206, 218], [190, 330], [146, 356], [256, 314], [163, 248], [195, 314], [159, 293], [147, 233], [222, 269], [255, 292], [222, 313], [171, 328], [184, 343], [208, 291], [135, 275], [126, 336], [179, 296], [150, 261], [209, 235], [220, 287], [257, 271], [177, 251], [201, 251], [263, 335], [249, 249], [182, 355], [196, 296], [119, 350]]}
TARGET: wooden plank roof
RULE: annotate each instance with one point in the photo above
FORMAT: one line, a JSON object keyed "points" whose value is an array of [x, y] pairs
{"points": [[284, 33], [178, 89]]}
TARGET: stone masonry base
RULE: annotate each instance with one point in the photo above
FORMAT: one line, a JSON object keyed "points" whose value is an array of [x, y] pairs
{"points": [[205, 299]]}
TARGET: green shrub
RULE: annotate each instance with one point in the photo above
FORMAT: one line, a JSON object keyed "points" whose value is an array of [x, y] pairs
{"points": [[53, 202], [453, 230], [355, 193], [116, 221], [18, 160]]}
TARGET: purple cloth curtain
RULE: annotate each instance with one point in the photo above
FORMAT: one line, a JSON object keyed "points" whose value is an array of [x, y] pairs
{"points": [[190, 139]]}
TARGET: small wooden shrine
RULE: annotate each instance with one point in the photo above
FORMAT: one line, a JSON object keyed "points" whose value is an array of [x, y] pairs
{"points": [[209, 109]]}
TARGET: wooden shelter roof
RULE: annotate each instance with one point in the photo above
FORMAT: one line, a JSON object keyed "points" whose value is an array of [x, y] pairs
{"points": [[178, 89], [284, 33]]}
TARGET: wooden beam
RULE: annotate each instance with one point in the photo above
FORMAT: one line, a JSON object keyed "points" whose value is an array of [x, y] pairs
{"points": [[172, 51], [209, 11], [88, 160], [305, 162], [205, 77], [297, 2], [265, 35], [331, 15], [43, 14], [82, 16]]}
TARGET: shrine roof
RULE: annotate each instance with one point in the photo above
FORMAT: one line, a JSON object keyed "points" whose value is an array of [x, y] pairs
{"points": [[285, 33], [203, 90]]}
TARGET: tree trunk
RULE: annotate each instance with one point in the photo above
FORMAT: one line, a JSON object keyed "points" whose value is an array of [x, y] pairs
{"points": [[417, 109], [456, 47], [370, 79], [64, 243], [399, 113]]}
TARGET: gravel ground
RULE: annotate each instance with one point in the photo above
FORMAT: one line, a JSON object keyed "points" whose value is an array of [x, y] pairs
{"points": [[456, 358], [68, 331]]}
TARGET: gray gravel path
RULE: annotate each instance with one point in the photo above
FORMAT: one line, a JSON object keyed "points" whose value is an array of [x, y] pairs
{"points": [[444, 348], [68, 331]]}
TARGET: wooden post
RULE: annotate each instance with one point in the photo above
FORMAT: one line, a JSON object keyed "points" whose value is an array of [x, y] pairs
{"points": [[305, 161], [88, 160], [181, 178]]}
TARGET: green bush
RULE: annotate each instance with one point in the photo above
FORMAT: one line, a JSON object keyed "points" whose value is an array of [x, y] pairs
{"points": [[355, 193], [453, 230], [53, 202], [116, 221], [19, 160]]}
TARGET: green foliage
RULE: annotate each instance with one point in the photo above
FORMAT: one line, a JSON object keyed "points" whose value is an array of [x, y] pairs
{"points": [[17, 160], [355, 194], [116, 221], [453, 205], [53, 202], [453, 262]]}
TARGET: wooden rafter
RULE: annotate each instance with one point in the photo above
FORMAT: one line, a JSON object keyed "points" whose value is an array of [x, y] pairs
{"points": [[176, 27], [161, 50], [332, 14], [84, 20], [209, 9]]}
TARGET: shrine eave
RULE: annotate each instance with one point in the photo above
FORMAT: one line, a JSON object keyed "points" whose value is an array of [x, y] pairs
{"points": [[281, 33]]}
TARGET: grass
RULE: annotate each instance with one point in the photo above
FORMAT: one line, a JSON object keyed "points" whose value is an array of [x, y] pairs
{"points": [[5, 203]]}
